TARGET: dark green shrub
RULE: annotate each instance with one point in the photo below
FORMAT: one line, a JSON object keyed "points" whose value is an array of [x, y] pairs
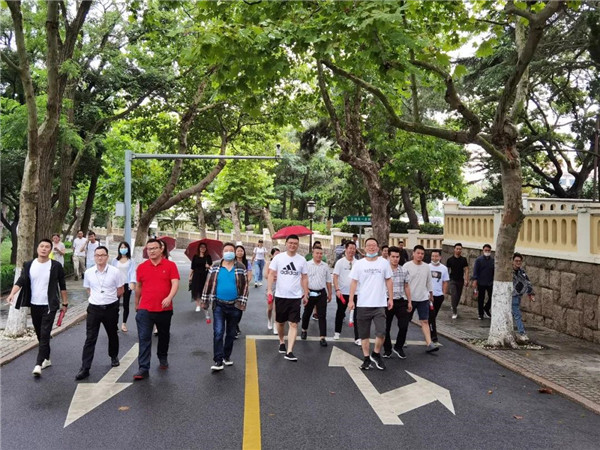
{"points": [[7, 277], [431, 228]]}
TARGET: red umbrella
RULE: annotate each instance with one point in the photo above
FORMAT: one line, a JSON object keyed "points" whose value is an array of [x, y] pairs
{"points": [[298, 230], [171, 242], [213, 247]]}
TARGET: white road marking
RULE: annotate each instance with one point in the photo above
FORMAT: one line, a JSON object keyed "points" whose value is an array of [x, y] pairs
{"points": [[91, 395], [390, 405]]}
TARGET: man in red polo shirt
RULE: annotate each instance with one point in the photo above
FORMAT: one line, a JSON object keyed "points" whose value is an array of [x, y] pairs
{"points": [[157, 284]]}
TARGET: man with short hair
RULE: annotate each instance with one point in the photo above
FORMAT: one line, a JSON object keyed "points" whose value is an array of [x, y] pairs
{"points": [[104, 284], [58, 249], [79, 255], [402, 306], [385, 251], [227, 288], [258, 257], [372, 278], [458, 268], [341, 283], [439, 279], [421, 289], [483, 281], [291, 290], [316, 244], [403, 253], [157, 284], [521, 286], [91, 244], [319, 287], [41, 286]]}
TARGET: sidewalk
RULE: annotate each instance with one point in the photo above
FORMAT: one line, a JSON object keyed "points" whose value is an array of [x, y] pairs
{"points": [[567, 365], [12, 348]]}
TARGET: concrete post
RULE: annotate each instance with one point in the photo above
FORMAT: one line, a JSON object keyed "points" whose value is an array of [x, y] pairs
{"points": [[584, 243], [413, 239]]}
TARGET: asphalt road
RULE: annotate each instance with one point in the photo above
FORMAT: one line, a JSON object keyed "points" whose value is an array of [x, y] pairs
{"points": [[303, 405]]}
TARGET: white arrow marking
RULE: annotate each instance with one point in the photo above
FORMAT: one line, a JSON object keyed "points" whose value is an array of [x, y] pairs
{"points": [[91, 395], [390, 405]]}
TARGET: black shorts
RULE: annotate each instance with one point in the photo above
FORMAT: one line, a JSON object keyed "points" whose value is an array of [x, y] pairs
{"points": [[287, 309]]}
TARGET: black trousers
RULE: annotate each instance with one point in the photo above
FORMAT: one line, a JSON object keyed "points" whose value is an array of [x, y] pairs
{"points": [[341, 313], [42, 320], [109, 317], [126, 298], [400, 311], [437, 304], [321, 303], [487, 308]]}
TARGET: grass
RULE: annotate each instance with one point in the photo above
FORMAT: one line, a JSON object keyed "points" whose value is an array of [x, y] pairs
{"points": [[5, 249]]}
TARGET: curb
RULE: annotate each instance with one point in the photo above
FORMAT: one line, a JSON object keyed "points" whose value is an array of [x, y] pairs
{"points": [[561, 390], [55, 331]]}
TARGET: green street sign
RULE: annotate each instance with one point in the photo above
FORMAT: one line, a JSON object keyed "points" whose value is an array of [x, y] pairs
{"points": [[359, 220]]}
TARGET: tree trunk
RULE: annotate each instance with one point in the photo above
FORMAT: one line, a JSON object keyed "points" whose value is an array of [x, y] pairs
{"points": [[200, 217], [291, 208], [266, 213], [89, 203], [235, 218], [284, 205], [424, 212], [47, 156], [413, 220]]}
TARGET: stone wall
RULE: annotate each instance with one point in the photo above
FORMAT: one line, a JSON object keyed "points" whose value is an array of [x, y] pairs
{"points": [[567, 294]]}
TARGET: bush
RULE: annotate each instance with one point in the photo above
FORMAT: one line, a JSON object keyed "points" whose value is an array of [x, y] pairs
{"points": [[431, 228], [7, 277]]}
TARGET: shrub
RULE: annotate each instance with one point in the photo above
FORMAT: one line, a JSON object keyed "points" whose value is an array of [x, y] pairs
{"points": [[431, 228], [7, 277]]}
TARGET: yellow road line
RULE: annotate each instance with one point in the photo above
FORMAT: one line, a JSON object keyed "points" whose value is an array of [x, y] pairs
{"points": [[252, 438]]}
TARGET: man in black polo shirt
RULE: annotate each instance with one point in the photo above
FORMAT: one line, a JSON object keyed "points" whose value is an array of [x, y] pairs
{"points": [[459, 276]]}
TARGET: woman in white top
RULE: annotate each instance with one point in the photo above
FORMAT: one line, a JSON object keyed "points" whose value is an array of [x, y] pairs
{"points": [[126, 265], [258, 256]]}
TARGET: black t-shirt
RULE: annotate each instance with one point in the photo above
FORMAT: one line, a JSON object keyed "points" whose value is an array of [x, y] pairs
{"points": [[456, 268]]}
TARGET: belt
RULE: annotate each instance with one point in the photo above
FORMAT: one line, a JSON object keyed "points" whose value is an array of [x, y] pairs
{"points": [[315, 292], [225, 302], [110, 305]]}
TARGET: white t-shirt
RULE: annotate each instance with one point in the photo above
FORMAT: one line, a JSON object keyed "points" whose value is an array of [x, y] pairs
{"points": [[259, 253], [59, 257], [89, 255], [39, 273], [289, 271], [371, 275], [77, 244], [420, 281], [439, 274], [342, 270]]}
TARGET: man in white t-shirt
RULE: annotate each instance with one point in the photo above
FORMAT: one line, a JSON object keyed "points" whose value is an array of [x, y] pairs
{"points": [[439, 278], [79, 254], [90, 246], [421, 290], [258, 257], [372, 280], [291, 290], [58, 249], [341, 283]]}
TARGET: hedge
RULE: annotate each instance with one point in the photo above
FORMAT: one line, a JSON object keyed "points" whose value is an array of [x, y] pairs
{"points": [[396, 226], [7, 273]]}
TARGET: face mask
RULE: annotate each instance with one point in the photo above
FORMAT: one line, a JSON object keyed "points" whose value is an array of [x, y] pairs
{"points": [[229, 256], [487, 254], [123, 251], [435, 263], [372, 255]]}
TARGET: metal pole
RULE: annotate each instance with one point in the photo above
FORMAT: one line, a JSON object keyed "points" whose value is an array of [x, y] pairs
{"points": [[310, 238], [127, 237]]}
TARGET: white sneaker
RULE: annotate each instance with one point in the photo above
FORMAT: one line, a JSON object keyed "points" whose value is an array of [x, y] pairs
{"points": [[455, 316], [227, 362], [358, 342], [37, 371], [46, 363], [522, 338], [274, 330], [198, 309], [336, 336], [269, 325], [260, 283]]}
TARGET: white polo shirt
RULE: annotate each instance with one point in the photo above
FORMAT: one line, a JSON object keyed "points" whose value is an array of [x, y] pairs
{"points": [[103, 285]]}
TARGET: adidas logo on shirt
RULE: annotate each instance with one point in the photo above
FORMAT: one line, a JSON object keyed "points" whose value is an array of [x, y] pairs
{"points": [[290, 269]]}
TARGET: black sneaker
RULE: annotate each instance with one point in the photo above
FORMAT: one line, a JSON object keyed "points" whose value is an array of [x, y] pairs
{"points": [[114, 362], [376, 359], [290, 357], [366, 365], [323, 343], [399, 352], [217, 366], [387, 355], [282, 348], [303, 335]]}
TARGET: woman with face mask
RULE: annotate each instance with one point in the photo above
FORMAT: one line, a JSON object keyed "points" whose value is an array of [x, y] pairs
{"points": [[126, 265], [240, 256]]}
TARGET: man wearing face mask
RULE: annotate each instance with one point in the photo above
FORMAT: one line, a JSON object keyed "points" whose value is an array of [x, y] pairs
{"points": [[483, 281], [439, 279], [227, 288]]}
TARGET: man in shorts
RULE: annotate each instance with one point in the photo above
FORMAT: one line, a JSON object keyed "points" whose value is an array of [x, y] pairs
{"points": [[291, 272], [421, 289], [372, 280]]}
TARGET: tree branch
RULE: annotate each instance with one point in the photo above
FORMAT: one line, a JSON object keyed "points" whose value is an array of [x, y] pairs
{"points": [[10, 62]]}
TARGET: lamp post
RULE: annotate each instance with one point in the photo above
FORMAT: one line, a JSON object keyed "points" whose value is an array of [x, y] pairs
{"points": [[311, 206], [218, 215]]}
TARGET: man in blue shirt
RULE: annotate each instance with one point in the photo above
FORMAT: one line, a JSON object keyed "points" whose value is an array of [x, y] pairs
{"points": [[227, 288], [483, 281]]}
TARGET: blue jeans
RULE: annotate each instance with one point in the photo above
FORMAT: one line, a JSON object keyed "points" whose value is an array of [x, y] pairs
{"points": [[225, 320], [145, 321], [516, 312], [258, 273]]}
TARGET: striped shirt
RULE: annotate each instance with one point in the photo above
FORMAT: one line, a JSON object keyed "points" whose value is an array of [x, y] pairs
{"points": [[399, 277], [318, 275]]}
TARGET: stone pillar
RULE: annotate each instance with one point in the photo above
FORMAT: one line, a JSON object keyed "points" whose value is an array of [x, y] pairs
{"points": [[413, 239], [583, 233]]}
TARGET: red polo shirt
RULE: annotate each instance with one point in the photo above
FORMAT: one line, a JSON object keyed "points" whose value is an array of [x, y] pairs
{"points": [[156, 283]]}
